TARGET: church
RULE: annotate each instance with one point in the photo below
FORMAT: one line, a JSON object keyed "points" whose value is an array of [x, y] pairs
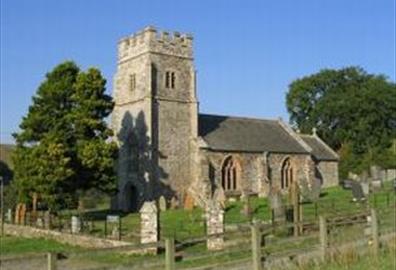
{"points": [[169, 149]]}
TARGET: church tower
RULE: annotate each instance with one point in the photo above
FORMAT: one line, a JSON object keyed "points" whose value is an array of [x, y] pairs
{"points": [[155, 117]]}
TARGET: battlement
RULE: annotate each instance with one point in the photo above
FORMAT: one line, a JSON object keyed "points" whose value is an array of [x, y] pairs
{"points": [[149, 40]]}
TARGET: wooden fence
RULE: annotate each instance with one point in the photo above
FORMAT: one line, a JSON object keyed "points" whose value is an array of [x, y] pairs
{"points": [[255, 248]]}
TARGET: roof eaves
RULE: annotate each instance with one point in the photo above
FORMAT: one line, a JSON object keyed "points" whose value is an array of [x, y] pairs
{"points": [[326, 146]]}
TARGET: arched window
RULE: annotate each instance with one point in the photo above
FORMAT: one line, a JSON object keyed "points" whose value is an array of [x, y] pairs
{"points": [[230, 173], [286, 174], [170, 79]]}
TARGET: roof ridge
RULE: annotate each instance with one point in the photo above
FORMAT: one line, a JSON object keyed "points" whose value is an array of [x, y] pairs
{"points": [[306, 135], [240, 117]]}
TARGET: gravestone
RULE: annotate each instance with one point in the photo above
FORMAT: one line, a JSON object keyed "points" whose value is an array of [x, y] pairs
{"points": [[113, 223], [277, 208], [375, 173], [376, 185], [246, 209], [162, 203], [366, 188], [75, 225], [9, 215], [47, 220], [220, 197], [174, 203], [149, 225], [214, 226], [17, 213], [39, 222], [357, 191], [115, 232]]}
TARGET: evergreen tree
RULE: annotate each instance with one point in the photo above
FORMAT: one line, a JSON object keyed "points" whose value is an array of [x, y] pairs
{"points": [[63, 146]]}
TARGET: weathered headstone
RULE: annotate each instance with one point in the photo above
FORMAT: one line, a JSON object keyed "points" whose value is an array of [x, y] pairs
{"points": [[215, 225], [220, 197], [174, 203], [75, 225], [357, 191], [376, 185], [149, 225], [39, 222], [278, 211], [246, 209], [17, 213], [47, 220], [115, 233], [162, 203], [113, 222], [9, 215], [375, 173], [365, 188]]}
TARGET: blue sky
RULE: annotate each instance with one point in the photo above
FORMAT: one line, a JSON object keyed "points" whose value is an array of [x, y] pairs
{"points": [[246, 52]]}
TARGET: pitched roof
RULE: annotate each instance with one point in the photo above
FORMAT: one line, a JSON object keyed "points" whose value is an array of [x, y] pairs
{"points": [[320, 149], [246, 134]]}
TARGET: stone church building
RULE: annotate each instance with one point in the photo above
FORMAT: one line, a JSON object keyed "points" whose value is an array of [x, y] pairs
{"points": [[169, 149]]}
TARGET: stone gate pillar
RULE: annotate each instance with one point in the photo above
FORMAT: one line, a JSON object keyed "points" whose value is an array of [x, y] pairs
{"points": [[149, 225], [215, 226]]}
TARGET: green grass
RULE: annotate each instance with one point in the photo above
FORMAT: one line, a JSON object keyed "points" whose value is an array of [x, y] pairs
{"points": [[386, 261], [186, 224], [19, 245]]}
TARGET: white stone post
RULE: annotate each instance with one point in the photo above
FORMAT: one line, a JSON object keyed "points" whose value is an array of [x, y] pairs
{"points": [[75, 225], [149, 225], [215, 226]]}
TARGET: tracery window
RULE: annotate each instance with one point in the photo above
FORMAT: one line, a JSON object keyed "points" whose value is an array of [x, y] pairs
{"points": [[286, 174], [230, 173]]}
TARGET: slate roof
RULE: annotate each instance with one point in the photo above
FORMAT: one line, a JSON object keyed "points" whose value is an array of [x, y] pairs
{"points": [[228, 133], [319, 149]]}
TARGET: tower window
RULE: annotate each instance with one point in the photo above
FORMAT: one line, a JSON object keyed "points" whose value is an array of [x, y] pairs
{"points": [[170, 79], [132, 82], [173, 80]]}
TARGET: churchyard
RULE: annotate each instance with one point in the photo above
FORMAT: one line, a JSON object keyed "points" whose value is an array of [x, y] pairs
{"points": [[188, 229]]}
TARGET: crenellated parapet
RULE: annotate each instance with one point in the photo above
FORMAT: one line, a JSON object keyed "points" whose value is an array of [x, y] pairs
{"points": [[150, 40]]}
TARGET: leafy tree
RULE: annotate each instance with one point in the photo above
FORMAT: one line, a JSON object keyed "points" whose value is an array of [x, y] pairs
{"points": [[63, 147], [350, 108]]}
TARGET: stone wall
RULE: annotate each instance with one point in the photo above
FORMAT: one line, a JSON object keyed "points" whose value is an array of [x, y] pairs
{"points": [[328, 171], [253, 177], [303, 167], [71, 239]]}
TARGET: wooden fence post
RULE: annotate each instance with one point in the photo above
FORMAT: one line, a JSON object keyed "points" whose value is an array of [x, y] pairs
{"points": [[256, 247], [323, 237], [374, 232], [170, 254], [51, 261]]}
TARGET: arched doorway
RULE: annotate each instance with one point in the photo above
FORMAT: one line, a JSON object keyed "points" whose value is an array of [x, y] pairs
{"points": [[131, 198]]}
